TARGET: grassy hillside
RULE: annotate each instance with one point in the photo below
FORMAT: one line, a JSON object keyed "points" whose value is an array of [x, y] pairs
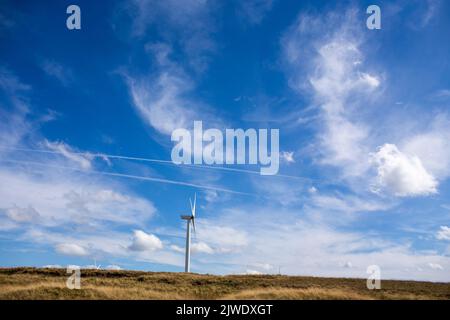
{"points": [[31, 283]]}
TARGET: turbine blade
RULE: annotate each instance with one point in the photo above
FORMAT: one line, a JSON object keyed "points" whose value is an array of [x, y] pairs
{"points": [[195, 201], [193, 226]]}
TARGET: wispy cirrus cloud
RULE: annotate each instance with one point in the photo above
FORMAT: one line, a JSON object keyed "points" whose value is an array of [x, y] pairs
{"points": [[254, 11], [432, 8], [189, 24], [10, 83], [58, 71], [162, 101], [165, 100], [338, 81], [443, 233], [345, 90], [83, 160]]}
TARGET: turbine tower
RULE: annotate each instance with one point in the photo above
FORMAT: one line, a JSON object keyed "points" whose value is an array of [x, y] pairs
{"points": [[189, 218]]}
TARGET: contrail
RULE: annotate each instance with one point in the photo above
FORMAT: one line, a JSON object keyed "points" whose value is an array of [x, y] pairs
{"points": [[123, 175], [167, 162]]}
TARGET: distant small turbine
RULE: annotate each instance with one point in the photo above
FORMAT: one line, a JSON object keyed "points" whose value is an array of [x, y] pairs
{"points": [[97, 267], [187, 262]]}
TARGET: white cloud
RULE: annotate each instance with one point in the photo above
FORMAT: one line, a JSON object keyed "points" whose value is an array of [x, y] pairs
{"points": [[201, 247], [432, 7], [73, 266], [344, 87], [13, 125], [281, 190], [188, 24], [77, 214], [347, 203], [442, 94], [324, 57], [71, 249], [443, 233], [165, 97], [161, 104], [17, 214], [83, 160], [62, 198], [145, 242], [165, 103], [302, 245], [223, 239], [264, 266], [402, 174], [10, 83], [312, 190], [254, 11], [432, 147], [91, 266], [164, 100], [53, 266], [13, 128], [253, 272], [211, 196], [336, 76], [177, 248], [287, 156], [372, 81], [58, 71], [348, 264], [100, 241], [113, 267], [435, 266]]}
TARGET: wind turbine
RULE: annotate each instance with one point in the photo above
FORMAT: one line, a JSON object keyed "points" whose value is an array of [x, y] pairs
{"points": [[189, 218], [97, 267]]}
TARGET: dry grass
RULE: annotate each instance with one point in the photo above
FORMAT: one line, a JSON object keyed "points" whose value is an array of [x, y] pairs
{"points": [[298, 294], [31, 283]]}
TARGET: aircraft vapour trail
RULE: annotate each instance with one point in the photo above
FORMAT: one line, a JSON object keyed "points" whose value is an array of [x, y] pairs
{"points": [[123, 175], [167, 162]]}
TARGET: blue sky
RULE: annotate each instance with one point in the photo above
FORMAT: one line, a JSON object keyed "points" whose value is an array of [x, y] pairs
{"points": [[364, 136]]}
